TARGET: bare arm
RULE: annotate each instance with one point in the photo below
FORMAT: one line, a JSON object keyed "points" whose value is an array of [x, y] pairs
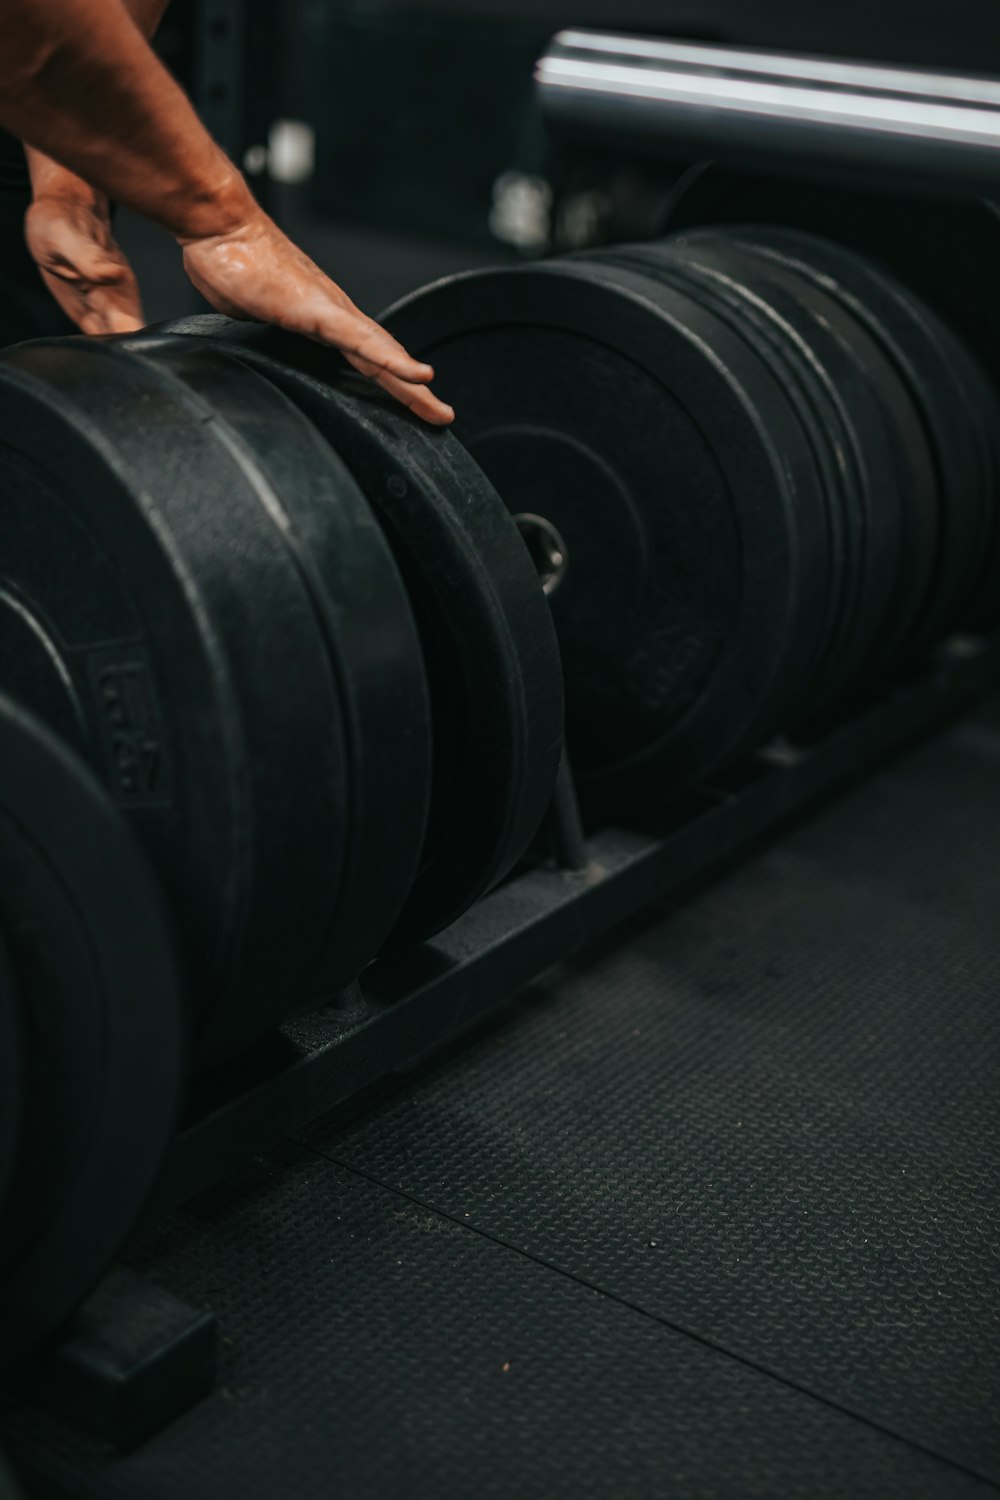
{"points": [[69, 234], [80, 83], [47, 173]]}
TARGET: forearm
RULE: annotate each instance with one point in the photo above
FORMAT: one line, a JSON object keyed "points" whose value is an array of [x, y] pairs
{"points": [[49, 176], [147, 14], [79, 82]]}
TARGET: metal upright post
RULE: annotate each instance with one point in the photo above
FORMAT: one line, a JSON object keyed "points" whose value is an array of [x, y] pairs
{"points": [[564, 826]]}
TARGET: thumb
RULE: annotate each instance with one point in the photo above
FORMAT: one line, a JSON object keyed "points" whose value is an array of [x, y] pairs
{"points": [[105, 316], [83, 260]]}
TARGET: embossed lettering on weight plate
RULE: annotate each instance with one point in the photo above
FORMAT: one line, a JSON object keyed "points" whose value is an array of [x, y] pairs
{"points": [[659, 673], [125, 701]]}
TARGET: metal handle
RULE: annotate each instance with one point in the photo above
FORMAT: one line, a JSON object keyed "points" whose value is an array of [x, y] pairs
{"points": [[732, 102]]}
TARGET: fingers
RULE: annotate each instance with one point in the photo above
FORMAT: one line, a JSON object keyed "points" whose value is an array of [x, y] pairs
{"points": [[375, 353], [267, 277], [368, 345], [111, 319], [368, 354], [98, 310], [359, 335], [421, 401], [258, 273], [87, 262], [83, 267]]}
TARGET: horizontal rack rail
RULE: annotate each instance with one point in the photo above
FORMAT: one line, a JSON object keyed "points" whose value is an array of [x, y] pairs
{"points": [[405, 1009]]}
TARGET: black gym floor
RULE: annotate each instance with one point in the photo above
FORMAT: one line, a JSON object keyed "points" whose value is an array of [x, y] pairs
{"points": [[712, 1211]]}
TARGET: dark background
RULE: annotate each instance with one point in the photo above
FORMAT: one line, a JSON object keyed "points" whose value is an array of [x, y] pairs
{"points": [[419, 111]]}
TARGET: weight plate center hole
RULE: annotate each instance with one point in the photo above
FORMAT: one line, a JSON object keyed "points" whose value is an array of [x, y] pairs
{"points": [[547, 549]]}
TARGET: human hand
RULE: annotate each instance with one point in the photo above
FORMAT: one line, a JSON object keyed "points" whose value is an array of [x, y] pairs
{"points": [[69, 237], [254, 271]]}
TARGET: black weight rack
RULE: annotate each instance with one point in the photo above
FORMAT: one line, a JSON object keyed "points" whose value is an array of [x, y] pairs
{"points": [[134, 1357], [402, 1010]]}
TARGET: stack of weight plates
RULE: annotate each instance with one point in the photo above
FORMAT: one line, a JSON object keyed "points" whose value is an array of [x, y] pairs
{"points": [[769, 466], [286, 670], [487, 642], [292, 679], [898, 416], [297, 636], [945, 249], [91, 1035]]}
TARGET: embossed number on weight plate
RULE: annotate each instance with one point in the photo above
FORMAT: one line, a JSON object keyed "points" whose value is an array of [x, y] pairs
{"points": [[133, 747], [664, 661]]}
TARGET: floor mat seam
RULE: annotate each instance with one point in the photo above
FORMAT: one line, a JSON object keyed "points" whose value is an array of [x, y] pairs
{"points": [[704, 1340]]}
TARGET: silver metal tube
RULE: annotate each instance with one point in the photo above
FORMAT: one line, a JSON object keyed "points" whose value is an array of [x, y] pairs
{"points": [[734, 103]]}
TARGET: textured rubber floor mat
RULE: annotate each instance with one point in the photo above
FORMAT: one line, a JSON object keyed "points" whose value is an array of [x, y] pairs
{"points": [[375, 1349], [770, 1119]]}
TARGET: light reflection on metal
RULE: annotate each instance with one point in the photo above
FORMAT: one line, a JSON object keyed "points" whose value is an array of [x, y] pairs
{"points": [[741, 102]]}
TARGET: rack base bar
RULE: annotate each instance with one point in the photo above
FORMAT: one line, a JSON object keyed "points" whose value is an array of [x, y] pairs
{"points": [[133, 1358], [406, 1009]]}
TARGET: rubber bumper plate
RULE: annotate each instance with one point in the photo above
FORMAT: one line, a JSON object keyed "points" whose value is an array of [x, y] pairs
{"points": [[92, 970], [203, 605], [489, 645], [659, 447]]}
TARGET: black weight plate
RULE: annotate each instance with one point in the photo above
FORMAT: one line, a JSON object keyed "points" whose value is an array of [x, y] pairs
{"points": [[946, 391], [919, 500], [638, 424], [488, 640], [102, 1042], [982, 610], [9, 1489], [946, 250], [902, 493], [370, 637], [189, 669], [831, 339], [11, 1069], [818, 415], [772, 317], [211, 727]]}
